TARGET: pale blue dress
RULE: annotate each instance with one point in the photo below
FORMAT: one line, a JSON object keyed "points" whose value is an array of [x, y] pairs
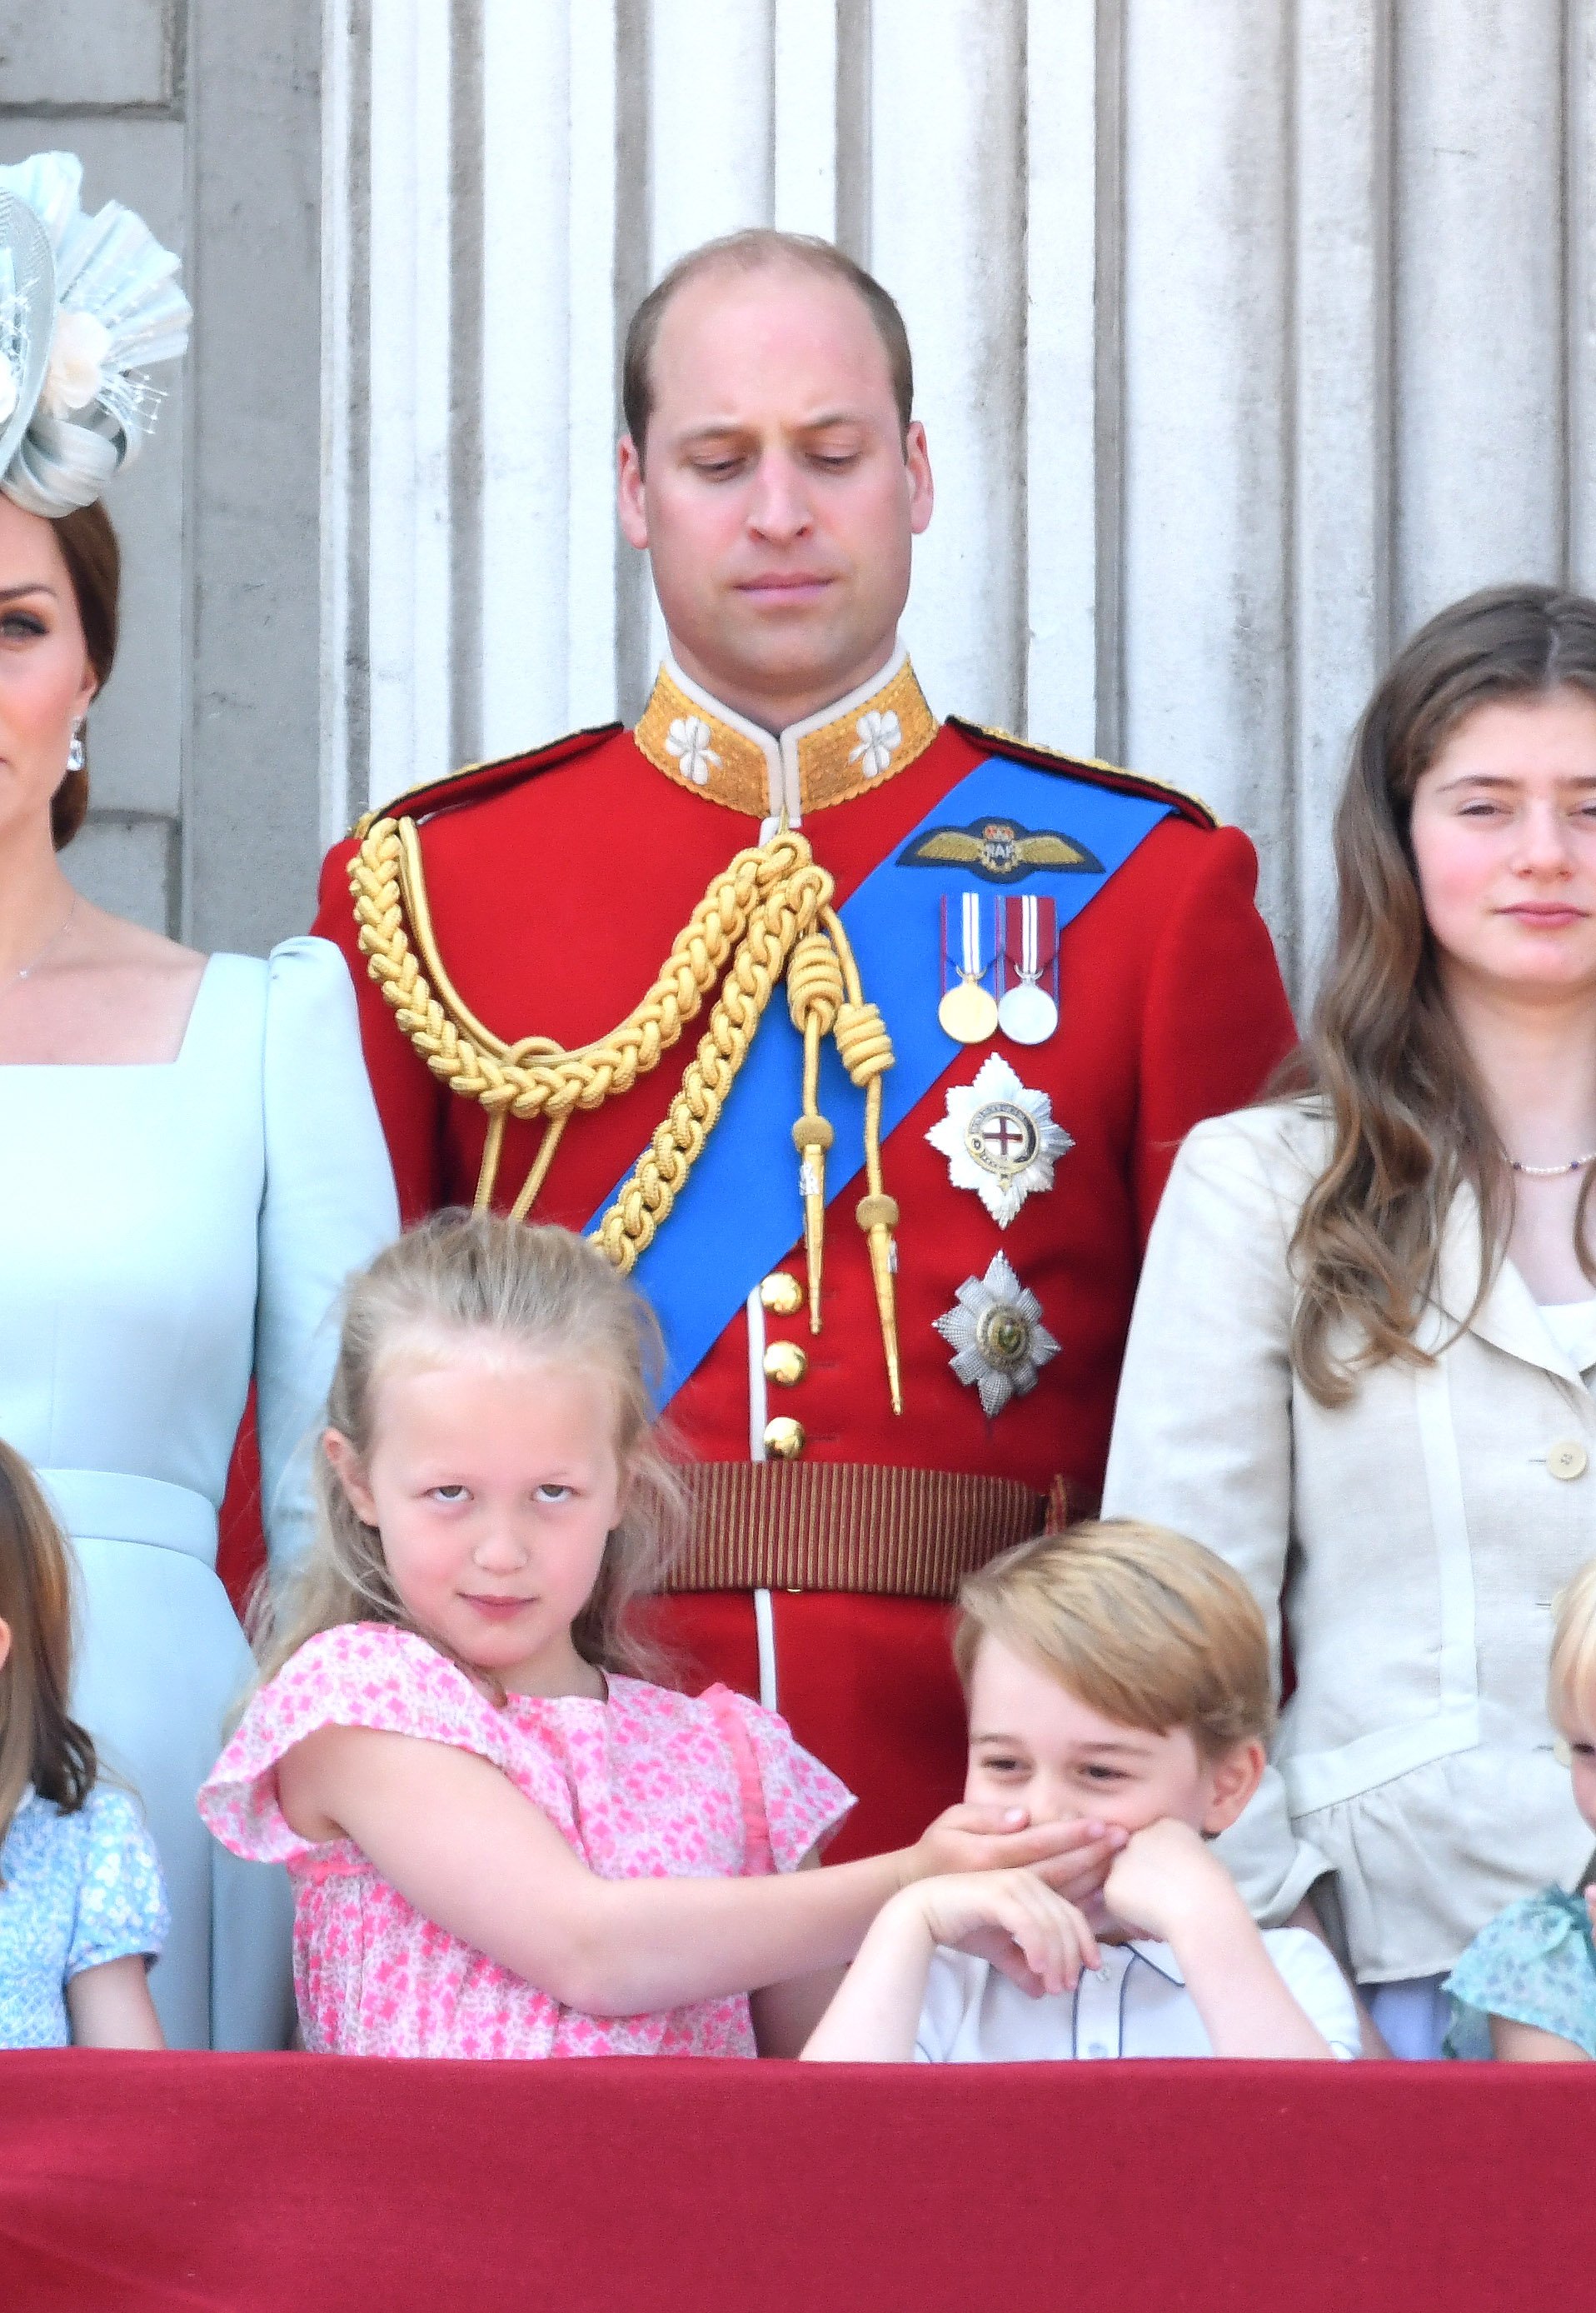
{"points": [[79, 1890], [165, 1231], [1535, 1964]]}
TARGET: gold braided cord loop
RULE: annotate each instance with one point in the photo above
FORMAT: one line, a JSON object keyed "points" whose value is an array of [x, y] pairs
{"points": [[774, 927], [863, 1043], [815, 992], [535, 1076], [767, 916]]}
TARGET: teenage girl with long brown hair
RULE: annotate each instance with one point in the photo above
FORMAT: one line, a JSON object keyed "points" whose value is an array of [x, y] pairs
{"points": [[1360, 1362]]}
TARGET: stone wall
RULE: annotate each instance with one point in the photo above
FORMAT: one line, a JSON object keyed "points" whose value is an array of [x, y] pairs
{"points": [[1246, 335], [203, 754]]}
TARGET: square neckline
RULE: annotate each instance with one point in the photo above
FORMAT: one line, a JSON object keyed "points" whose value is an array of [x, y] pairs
{"points": [[128, 1067]]}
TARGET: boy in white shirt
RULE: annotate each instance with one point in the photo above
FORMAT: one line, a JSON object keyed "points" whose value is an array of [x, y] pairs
{"points": [[1116, 1674]]}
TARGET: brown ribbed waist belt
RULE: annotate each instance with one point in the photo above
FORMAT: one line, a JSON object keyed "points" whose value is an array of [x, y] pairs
{"points": [[848, 1525]]}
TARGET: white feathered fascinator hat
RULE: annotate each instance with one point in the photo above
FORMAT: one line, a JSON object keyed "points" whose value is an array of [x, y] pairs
{"points": [[86, 304]]}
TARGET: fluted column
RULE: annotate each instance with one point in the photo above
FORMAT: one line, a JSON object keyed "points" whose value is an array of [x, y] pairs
{"points": [[1244, 337]]}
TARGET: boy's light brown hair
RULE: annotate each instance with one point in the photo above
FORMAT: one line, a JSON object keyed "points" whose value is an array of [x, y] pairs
{"points": [[1571, 1682], [1136, 1622]]}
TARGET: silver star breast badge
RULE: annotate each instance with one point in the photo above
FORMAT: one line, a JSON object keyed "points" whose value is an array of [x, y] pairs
{"points": [[996, 1333], [999, 1139]]}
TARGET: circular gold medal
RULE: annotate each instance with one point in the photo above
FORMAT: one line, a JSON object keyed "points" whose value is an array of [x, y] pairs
{"points": [[968, 1012]]}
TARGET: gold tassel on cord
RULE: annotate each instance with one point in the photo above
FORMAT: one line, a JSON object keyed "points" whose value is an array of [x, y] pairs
{"points": [[815, 996], [866, 1052]]}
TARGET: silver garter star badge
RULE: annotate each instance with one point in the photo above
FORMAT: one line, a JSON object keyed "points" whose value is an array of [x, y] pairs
{"points": [[996, 1331], [999, 1139]]}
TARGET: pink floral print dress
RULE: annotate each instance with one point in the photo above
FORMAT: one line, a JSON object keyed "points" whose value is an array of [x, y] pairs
{"points": [[646, 1784]]}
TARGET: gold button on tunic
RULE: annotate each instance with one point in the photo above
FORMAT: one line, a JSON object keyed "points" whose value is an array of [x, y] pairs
{"points": [[786, 1363], [782, 1294]]}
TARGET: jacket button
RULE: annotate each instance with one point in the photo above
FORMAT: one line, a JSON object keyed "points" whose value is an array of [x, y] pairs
{"points": [[781, 1293], [784, 1438], [1568, 1459], [786, 1363]]}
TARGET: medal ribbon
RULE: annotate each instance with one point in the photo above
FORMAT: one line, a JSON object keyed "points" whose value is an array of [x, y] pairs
{"points": [[971, 925], [737, 1216], [972, 963], [1028, 936]]}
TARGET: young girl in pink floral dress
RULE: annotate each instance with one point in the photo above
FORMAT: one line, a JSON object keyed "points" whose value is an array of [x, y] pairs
{"points": [[503, 1843]]}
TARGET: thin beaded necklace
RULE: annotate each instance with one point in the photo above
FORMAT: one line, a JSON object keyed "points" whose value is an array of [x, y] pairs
{"points": [[26, 971], [1553, 1171]]}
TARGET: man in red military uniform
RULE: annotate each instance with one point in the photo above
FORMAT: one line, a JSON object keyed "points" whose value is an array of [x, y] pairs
{"points": [[905, 1017]]}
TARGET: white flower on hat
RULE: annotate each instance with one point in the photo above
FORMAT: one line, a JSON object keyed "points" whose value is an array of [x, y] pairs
{"points": [[879, 738], [77, 373], [688, 740]]}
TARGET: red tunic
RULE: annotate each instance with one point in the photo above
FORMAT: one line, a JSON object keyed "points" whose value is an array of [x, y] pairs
{"points": [[558, 884]]}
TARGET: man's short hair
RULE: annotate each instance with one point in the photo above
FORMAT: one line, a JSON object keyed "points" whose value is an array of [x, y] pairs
{"points": [[1136, 1621], [752, 252]]}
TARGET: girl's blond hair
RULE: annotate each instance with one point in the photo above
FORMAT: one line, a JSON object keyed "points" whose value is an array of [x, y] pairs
{"points": [[1136, 1622], [40, 1743], [1571, 1681], [545, 1293]]}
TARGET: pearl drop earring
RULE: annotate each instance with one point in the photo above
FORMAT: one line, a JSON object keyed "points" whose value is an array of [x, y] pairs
{"points": [[75, 752]]}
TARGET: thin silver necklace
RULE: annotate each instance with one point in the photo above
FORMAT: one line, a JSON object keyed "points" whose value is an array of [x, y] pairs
{"points": [[26, 971], [1553, 1171]]}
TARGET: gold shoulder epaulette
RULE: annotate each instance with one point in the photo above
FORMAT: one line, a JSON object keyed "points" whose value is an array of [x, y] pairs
{"points": [[1116, 771], [537, 759], [394, 807]]}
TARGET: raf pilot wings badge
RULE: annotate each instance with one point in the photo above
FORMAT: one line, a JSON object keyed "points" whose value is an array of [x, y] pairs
{"points": [[1000, 851]]}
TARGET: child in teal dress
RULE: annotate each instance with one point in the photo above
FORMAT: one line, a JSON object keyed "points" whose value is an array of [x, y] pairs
{"points": [[83, 1911], [1525, 1990]]}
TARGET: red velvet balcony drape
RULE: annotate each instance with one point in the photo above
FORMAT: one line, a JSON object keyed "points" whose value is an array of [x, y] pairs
{"points": [[204, 2182]]}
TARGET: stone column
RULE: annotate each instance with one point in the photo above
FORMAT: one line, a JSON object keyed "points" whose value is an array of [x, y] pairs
{"points": [[1244, 338], [203, 754]]}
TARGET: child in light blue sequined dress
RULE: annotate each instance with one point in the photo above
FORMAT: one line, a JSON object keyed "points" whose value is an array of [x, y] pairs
{"points": [[1525, 1990], [83, 1911]]}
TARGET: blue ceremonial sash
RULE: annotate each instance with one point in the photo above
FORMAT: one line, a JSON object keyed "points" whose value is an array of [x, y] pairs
{"points": [[740, 1209]]}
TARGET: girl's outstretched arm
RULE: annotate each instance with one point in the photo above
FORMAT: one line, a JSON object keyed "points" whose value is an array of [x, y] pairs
{"points": [[461, 1844], [785, 2014]]}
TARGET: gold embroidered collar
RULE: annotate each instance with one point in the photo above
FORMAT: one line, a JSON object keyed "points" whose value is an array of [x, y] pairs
{"points": [[847, 750]]}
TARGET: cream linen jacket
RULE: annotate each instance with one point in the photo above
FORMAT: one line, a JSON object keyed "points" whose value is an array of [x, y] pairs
{"points": [[1417, 1536]]}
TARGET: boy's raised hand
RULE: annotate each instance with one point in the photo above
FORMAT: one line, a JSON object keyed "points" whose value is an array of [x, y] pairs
{"points": [[1013, 1919], [1164, 1874], [1072, 1858]]}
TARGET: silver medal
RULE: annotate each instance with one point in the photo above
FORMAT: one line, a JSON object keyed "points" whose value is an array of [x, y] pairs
{"points": [[1027, 1013]]}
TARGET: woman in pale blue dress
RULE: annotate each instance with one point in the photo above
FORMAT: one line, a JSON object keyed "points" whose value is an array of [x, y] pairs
{"points": [[190, 1161]]}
